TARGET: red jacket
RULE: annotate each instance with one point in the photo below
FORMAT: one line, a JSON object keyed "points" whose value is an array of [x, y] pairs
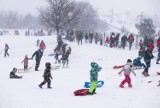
{"points": [[158, 43], [131, 38], [151, 46], [42, 45]]}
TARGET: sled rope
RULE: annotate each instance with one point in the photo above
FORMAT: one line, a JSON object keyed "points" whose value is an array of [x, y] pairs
{"points": [[110, 77]]}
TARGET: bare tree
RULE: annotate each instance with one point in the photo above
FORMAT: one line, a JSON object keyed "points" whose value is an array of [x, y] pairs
{"points": [[59, 13]]}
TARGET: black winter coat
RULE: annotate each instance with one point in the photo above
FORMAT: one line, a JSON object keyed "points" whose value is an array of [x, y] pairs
{"points": [[38, 54], [148, 55], [47, 73]]}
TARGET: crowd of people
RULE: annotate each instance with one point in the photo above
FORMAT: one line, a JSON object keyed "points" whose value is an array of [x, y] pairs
{"points": [[146, 49]]}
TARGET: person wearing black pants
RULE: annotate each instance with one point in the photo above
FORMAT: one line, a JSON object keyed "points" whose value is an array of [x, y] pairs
{"points": [[47, 76], [6, 50], [38, 55], [147, 59]]}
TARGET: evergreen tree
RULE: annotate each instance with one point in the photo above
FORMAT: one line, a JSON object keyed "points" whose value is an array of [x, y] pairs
{"points": [[146, 28]]}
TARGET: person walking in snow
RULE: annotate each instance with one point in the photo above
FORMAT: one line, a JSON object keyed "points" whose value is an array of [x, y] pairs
{"points": [[147, 59], [65, 56], [47, 76], [37, 43], [25, 61], [123, 41], [130, 40], [95, 68], [42, 45], [107, 42], [158, 59], [127, 69], [6, 50], [38, 55]]}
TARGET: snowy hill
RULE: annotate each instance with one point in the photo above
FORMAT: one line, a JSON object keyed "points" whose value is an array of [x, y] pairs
{"points": [[25, 93]]}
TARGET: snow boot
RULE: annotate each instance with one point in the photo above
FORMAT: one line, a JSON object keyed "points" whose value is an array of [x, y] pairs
{"points": [[130, 85], [121, 86], [49, 87], [144, 73], [147, 74], [40, 86]]}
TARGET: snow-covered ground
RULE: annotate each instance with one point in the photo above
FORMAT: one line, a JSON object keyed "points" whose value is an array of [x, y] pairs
{"points": [[25, 93]]}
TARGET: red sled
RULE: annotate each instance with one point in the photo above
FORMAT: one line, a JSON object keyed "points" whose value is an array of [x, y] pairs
{"points": [[117, 67], [158, 73], [81, 92]]}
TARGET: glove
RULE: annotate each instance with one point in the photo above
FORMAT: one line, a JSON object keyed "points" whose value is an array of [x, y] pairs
{"points": [[119, 73]]}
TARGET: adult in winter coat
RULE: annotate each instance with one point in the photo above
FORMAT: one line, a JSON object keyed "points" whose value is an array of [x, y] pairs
{"points": [[6, 50], [147, 59], [95, 68], [151, 46], [13, 74], [141, 43], [112, 39], [91, 37], [80, 38], [38, 55], [107, 41], [42, 45], [86, 38], [127, 69], [146, 41], [158, 43], [158, 59], [47, 76], [123, 41], [141, 51], [130, 40]]}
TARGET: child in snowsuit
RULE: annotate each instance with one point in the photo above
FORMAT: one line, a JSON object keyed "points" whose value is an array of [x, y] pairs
{"points": [[95, 68], [137, 63], [47, 76], [13, 74], [127, 71], [56, 55], [65, 60], [25, 61], [65, 56], [147, 59]]}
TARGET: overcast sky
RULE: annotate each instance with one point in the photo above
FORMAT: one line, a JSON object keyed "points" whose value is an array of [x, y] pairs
{"points": [[103, 6]]}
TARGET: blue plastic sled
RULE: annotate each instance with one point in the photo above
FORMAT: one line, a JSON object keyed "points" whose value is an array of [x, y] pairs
{"points": [[99, 84], [51, 54]]}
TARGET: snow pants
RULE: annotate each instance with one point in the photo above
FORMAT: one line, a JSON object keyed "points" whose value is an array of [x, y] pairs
{"points": [[37, 64], [46, 80], [127, 79]]}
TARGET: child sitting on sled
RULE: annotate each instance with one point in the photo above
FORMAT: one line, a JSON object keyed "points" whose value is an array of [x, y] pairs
{"points": [[127, 69], [138, 64], [13, 74]]}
